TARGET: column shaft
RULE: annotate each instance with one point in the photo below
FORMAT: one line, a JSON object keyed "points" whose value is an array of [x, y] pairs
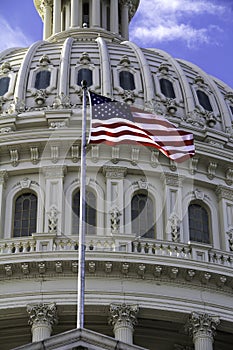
{"points": [[56, 16], [203, 341], [47, 21], [75, 12], [114, 16], [125, 21], [96, 13]]}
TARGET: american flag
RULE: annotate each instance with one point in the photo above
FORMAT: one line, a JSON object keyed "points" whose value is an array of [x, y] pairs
{"points": [[116, 122]]}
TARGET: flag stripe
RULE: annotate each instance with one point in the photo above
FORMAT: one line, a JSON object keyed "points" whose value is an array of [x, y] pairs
{"points": [[116, 123]]}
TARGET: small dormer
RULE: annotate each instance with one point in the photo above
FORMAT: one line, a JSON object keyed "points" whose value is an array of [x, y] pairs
{"points": [[110, 15]]}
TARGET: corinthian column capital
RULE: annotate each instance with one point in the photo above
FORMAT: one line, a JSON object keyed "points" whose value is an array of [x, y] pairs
{"points": [[123, 313], [202, 325]]}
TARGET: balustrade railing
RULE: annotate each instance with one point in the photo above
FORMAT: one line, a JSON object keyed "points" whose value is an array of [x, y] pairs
{"points": [[52, 243]]}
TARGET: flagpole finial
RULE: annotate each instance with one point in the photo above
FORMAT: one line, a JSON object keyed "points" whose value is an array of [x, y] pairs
{"points": [[84, 84]]}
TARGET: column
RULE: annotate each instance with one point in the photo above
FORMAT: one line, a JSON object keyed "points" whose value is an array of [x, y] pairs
{"points": [[54, 198], [3, 179], [202, 328], [96, 13], [67, 25], [42, 317], [123, 319], [47, 8], [115, 199], [75, 13], [125, 19], [56, 16], [114, 16]]}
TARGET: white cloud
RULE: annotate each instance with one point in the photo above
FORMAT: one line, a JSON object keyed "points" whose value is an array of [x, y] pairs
{"points": [[168, 20], [11, 37]]}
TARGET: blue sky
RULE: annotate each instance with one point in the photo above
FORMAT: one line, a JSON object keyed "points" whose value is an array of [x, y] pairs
{"points": [[200, 31]]}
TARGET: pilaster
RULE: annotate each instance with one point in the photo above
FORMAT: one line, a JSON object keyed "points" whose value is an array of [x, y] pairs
{"points": [[42, 317], [54, 198], [202, 328], [3, 180], [123, 319], [115, 198]]}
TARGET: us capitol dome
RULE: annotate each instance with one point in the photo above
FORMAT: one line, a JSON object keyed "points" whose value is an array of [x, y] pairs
{"points": [[159, 236]]}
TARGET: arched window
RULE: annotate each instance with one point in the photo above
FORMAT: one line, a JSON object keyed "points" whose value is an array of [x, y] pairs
{"points": [[4, 85], [204, 100], [85, 74], [142, 215], [198, 223], [127, 80], [42, 79], [167, 88], [90, 218], [231, 108], [25, 215]]}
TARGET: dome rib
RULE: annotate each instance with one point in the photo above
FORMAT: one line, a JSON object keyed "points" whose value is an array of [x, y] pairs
{"points": [[20, 89], [65, 67], [145, 69], [106, 67], [6, 52]]}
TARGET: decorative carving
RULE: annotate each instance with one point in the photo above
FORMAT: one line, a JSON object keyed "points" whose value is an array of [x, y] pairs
{"points": [[174, 272], [205, 277], [18, 106], [123, 314], [91, 267], [128, 96], [230, 239], [221, 281], [154, 158], [190, 275], [163, 68], [44, 61], [25, 183], [115, 220], [34, 154], [172, 179], [125, 61], [45, 3], [202, 324], [158, 271], [61, 102], [5, 130], [193, 165], [74, 153], [115, 154], [3, 177], [224, 192], [8, 270], [25, 268], [114, 172], [94, 153], [5, 68], [199, 194], [40, 96], [229, 176], [42, 314], [57, 125], [108, 267], [54, 154], [53, 220], [125, 268], [85, 58], [196, 119], [41, 267], [175, 228], [58, 266], [141, 270], [14, 154], [134, 155], [211, 170], [74, 267]]}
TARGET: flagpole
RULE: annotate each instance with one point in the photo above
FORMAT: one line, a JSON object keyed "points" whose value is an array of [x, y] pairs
{"points": [[82, 224]]}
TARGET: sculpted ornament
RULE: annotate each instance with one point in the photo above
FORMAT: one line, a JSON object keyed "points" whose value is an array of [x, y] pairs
{"points": [[202, 324], [41, 314], [53, 220], [123, 313], [115, 220], [175, 228], [196, 119], [230, 239]]}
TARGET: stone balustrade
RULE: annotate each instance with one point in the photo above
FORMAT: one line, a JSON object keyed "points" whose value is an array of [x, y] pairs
{"points": [[47, 242]]}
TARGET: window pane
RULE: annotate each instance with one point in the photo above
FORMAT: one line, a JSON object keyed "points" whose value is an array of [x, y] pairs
{"points": [[198, 224], [127, 80], [204, 100], [4, 85], [142, 216], [85, 74], [25, 215], [167, 88], [90, 217], [42, 79]]}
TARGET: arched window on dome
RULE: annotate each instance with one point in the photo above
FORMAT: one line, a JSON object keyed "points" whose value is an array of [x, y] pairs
{"points": [[85, 74], [91, 215], [204, 100], [231, 108], [142, 215], [127, 80], [25, 215], [4, 85], [42, 80], [166, 88], [198, 223]]}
